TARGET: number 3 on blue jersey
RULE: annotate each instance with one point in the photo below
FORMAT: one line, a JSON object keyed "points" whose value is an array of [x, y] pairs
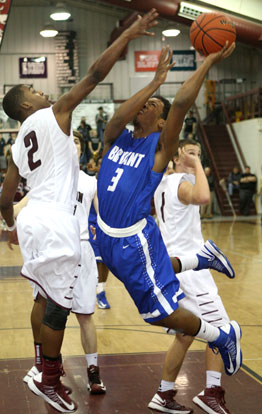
{"points": [[115, 179]]}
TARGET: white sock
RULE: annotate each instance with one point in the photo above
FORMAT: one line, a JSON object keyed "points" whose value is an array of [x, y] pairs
{"points": [[100, 287], [207, 331], [166, 386], [188, 262], [91, 359], [213, 379]]}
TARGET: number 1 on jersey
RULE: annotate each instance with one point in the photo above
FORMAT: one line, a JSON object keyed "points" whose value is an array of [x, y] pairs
{"points": [[115, 179]]}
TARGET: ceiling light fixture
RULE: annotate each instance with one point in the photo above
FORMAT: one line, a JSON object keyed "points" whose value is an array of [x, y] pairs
{"points": [[49, 31], [60, 13], [170, 31]]}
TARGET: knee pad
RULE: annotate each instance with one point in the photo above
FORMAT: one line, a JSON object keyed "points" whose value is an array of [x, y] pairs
{"points": [[55, 316]]}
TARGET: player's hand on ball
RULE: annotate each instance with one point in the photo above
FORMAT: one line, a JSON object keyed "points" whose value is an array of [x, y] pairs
{"points": [[223, 53]]}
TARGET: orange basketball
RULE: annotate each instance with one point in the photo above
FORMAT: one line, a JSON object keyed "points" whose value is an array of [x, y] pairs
{"points": [[210, 31]]}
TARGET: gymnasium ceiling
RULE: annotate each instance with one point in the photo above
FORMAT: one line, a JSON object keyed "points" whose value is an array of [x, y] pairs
{"points": [[246, 14], [248, 9]]}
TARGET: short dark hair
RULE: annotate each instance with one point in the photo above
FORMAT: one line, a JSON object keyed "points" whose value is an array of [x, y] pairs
{"points": [[81, 139], [167, 105], [12, 102]]}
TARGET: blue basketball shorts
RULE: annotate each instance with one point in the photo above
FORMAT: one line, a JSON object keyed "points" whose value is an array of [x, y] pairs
{"points": [[142, 263]]}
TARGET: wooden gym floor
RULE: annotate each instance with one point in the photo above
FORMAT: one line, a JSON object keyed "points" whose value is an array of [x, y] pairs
{"points": [[131, 352]]}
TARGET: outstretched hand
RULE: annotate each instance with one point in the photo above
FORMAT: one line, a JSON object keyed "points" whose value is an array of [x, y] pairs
{"points": [[223, 53], [142, 24], [164, 64]]}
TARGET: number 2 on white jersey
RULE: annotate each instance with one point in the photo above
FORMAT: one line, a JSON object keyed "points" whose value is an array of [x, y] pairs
{"points": [[115, 179]]}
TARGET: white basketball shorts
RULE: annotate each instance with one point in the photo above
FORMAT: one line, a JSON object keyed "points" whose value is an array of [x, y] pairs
{"points": [[84, 294], [49, 240], [202, 297]]}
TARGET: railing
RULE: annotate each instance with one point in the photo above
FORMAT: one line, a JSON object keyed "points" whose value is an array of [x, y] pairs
{"points": [[245, 105], [205, 144], [228, 121]]}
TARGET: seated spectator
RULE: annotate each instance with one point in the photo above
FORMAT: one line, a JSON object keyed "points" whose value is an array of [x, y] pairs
{"points": [[190, 125], [233, 181], [247, 188]]}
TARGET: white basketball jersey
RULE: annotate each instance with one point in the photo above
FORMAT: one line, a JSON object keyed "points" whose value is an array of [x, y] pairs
{"points": [[47, 158], [179, 224], [86, 191]]}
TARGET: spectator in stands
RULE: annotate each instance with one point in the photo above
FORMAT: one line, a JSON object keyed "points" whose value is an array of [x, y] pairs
{"points": [[84, 130], [9, 143], [94, 145], [247, 188], [233, 181], [190, 125], [3, 164], [101, 121], [206, 210]]}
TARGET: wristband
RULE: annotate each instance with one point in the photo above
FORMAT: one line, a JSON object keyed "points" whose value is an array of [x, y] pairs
{"points": [[11, 228]]}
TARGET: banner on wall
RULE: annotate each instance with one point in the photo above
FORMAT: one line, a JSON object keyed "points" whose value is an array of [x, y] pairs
{"points": [[185, 60], [4, 13], [33, 67], [146, 61]]}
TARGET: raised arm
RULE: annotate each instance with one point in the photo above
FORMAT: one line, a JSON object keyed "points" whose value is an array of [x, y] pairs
{"points": [[198, 193], [98, 71], [127, 111], [183, 101]]}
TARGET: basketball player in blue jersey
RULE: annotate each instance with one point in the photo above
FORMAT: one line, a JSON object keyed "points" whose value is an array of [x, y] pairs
{"points": [[130, 242], [47, 230]]}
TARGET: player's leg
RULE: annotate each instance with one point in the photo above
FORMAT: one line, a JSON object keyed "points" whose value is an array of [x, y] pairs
{"points": [[101, 298], [37, 315], [103, 272], [89, 343], [226, 338], [84, 303], [164, 400], [42, 253], [212, 398], [47, 384]]}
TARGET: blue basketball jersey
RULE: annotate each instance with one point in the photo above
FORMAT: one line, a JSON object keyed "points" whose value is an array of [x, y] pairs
{"points": [[126, 182]]}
